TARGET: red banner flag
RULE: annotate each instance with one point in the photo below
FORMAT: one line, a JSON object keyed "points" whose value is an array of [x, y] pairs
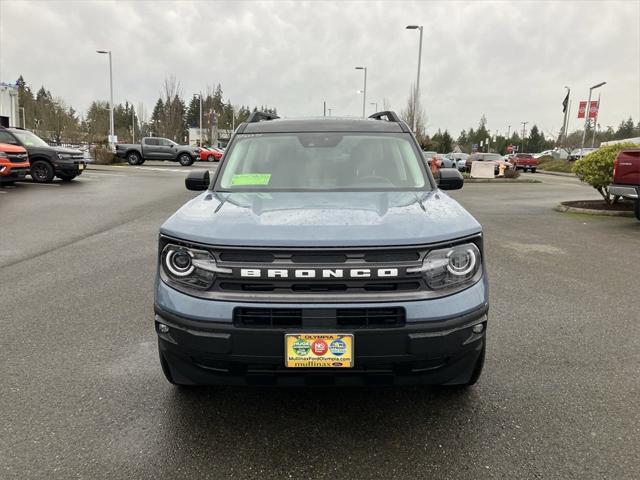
{"points": [[593, 110], [582, 109]]}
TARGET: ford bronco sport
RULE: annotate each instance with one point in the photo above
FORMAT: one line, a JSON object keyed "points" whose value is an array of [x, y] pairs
{"points": [[322, 252]]}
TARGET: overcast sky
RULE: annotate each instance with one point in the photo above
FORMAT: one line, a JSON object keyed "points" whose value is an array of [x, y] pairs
{"points": [[507, 60]]}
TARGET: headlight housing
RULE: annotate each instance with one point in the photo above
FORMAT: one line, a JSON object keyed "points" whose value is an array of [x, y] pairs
{"points": [[452, 268], [188, 266]]}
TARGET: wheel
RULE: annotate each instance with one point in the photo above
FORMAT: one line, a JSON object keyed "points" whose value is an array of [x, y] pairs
{"points": [[185, 160], [211, 158], [42, 171], [134, 158], [533, 170], [66, 178], [636, 208]]}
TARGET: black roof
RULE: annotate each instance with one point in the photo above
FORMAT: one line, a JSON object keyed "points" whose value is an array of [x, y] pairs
{"points": [[324, 124]]}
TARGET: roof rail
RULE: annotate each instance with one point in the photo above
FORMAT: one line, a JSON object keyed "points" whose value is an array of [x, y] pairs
{"points": [[387, 115], [260, 116]]}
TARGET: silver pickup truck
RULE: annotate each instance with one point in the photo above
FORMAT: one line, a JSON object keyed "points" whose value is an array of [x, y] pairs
{"points": [[157, 148]]}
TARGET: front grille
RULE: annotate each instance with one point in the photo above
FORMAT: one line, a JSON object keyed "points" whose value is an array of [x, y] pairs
{"points": [[17, 157], [345, 259], [319, 318]]}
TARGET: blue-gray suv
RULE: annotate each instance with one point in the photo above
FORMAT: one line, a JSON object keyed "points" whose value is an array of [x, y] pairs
{"points": [[322, 252]]}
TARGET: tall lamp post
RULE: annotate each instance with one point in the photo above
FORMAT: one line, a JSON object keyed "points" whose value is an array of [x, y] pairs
{"points": [[111, 129], [565, 123], [364, 92], [587, 114], [416, 94], [199, 95]]}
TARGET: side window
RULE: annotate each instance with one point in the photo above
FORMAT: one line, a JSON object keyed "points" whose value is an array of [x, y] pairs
{"points": [[6, 137], [163, 142], [151, 141]]}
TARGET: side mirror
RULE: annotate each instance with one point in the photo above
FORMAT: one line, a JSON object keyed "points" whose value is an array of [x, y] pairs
{"points": [[449, 179], [198, 180]]}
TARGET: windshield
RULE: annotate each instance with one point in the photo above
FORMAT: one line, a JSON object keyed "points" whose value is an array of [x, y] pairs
{"points": [[29, 139], [322, 161]]}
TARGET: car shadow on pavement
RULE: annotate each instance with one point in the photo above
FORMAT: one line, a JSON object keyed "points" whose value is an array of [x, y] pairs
{"points": [[263, 428]]}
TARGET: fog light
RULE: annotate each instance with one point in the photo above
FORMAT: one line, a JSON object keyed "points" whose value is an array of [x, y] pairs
{"points": [[479, 328], [162, 328]]}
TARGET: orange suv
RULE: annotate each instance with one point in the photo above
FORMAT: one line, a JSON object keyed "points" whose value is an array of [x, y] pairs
{"points": [[14, 163]]}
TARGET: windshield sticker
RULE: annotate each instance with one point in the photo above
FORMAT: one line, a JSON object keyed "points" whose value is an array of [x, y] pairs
{"points": [[250, 179]]}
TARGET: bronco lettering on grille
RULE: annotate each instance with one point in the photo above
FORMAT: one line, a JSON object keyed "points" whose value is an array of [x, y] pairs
{"points": [[319, 273]]}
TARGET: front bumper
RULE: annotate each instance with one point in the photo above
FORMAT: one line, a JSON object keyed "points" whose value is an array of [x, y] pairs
{"points": [[626, 191], [435, 350], [70, 168], [11, 173]]}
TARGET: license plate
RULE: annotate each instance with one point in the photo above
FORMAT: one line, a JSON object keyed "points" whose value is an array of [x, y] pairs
{"points": [[318, 350], [80, 166]]}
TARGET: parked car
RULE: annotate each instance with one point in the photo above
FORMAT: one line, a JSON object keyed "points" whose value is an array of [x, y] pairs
{"points": [[46, 162], [459, 160], [524, 161], [340, 265], [496, 158], [210, 154], [626, 177], [577, 153], [556, 154], [157, 148], [14, 163]]}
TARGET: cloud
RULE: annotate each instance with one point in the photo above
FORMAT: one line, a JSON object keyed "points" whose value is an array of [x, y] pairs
{"points": [[507, 60]]}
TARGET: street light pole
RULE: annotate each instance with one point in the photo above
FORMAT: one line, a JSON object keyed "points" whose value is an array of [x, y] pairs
{"points": [[586, 114], [200, 95], [364, 92], [376, 105], [111, 127], [508, 132], [416, 94], [595, 124]]}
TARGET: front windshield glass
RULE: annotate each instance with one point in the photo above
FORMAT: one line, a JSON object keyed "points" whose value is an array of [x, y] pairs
{"points": [[322, 161], [29, 139]]}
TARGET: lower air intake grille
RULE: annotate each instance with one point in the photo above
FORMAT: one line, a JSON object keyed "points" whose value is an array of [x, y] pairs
{"points": [[319, 318]]}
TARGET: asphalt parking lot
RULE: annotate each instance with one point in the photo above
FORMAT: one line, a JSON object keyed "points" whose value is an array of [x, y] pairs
{"points": [[83, 395]]}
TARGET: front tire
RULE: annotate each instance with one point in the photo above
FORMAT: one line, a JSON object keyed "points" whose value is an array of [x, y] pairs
{"points": [[134, 158], [185, 160], [533, 170], [42, 171], [211, 158]]}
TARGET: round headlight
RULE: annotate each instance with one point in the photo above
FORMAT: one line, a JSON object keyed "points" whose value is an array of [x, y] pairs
{"points": [[461, 261], [179, 262]]}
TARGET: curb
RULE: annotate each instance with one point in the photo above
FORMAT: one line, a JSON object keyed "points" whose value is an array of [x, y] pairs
{"points": [[501, 180], [559, 174], [590, 211]]}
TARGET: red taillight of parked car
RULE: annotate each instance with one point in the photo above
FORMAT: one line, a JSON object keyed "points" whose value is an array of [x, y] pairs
{"points": [[615, 167]]}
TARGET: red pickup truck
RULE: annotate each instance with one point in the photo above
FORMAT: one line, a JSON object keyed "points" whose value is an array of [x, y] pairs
{"points": [[524, 161], [626, 177]]}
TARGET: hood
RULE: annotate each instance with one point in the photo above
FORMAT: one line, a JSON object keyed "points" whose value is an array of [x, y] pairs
{"points": [[71, 151], [321, 219]]}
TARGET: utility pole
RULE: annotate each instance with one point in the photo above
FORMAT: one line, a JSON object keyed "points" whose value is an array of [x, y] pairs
{"points": [[329, 111], [524, 125], [200, 95], [376, 105], [324, 110], [416, 94], [364, 92], [508, 132], [133, 125]]}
